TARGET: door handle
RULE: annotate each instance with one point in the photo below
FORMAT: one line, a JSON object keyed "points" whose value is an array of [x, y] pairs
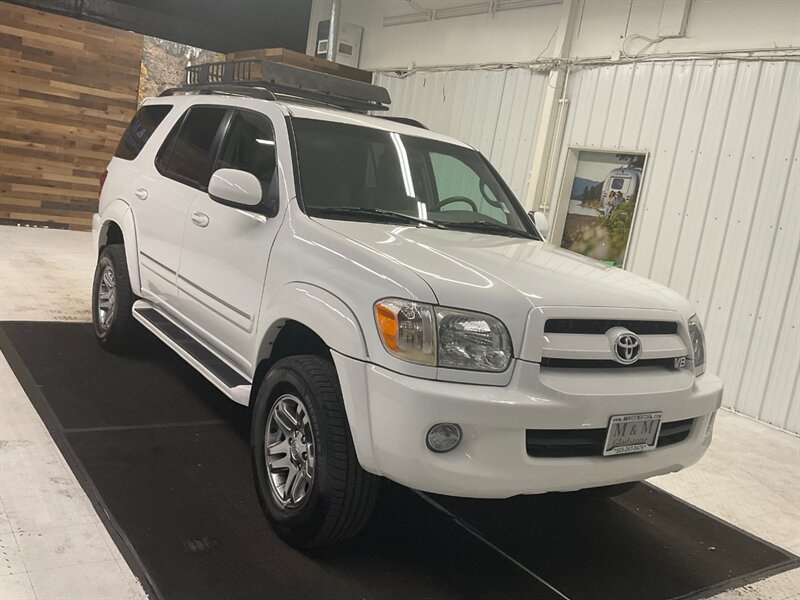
{"points": [[200, 219], [141, 194]]}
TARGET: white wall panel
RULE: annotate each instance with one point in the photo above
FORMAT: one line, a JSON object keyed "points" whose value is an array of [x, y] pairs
{"points": [[495, 111], [602, 27], [719, 214]]}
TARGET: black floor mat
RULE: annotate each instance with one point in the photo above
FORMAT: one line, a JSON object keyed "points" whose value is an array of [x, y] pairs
{"points": [[164, 456]]}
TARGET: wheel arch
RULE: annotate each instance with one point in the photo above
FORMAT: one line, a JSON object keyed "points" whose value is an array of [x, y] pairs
{"points": [[118, 227], [111, 233], [305, 319], [318, 312], [289, 338]]}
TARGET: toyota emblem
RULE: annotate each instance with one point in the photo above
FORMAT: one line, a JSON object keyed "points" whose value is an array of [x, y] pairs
{"points": [[626, 345]]}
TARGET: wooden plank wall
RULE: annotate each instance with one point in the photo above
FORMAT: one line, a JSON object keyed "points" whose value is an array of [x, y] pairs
{"points": [[68, 89]]}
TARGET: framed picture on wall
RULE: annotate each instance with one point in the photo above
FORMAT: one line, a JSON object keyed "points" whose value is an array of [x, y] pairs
{"points": [[597, 205]]}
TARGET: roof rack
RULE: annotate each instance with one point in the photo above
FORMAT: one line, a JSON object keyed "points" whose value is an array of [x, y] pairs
{"points": [[267, 79]]}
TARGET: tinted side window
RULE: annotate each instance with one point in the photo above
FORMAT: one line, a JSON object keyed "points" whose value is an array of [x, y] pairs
{"points": [[141, 127], [188, 152], [250, 146]]}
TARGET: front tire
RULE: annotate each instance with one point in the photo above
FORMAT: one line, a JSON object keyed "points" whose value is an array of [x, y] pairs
{"points": [[308, 479], [112, 301]]}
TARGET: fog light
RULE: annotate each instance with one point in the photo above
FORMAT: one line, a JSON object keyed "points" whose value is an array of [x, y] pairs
{"points": [[443, 437]]}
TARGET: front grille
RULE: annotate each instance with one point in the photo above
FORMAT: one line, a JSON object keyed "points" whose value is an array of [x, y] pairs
{"points": [[573, 443], [575, 363], [600, 326]]}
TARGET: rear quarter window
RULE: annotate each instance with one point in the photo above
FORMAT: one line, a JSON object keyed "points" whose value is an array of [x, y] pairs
{"points": [[142, 126]]}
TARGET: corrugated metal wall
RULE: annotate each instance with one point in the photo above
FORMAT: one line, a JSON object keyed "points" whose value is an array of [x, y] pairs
{"points": [[495, 111], [719, 219], [719, 214]]}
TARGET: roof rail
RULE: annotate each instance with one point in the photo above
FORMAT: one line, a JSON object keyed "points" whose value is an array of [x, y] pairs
{"points": [[253, 91], [404, 121], [266, 79]]}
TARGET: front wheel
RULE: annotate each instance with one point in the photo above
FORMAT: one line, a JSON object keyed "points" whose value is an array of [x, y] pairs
{"points": [[307, 475], [112, 301]]}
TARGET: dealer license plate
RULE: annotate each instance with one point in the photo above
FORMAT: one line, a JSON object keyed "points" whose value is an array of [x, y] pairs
{"points": [[632, 433]]}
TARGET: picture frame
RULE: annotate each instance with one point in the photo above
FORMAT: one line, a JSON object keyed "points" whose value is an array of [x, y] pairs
{"points": [[598, 202]]}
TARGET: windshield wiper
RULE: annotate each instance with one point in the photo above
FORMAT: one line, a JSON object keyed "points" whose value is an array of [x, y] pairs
{"points": [[490, 227], [359, 211]]}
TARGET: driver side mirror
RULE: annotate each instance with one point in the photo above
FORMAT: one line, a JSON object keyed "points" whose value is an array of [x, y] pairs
{"points": [[235, 188], [541, 223]]}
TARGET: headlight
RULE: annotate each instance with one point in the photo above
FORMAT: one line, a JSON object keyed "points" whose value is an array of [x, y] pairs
{"points": [[698, 345], [472, 341], [443, 337]]}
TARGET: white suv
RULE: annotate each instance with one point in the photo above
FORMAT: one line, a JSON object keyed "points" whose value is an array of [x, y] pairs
{"points": [[382, 302]]}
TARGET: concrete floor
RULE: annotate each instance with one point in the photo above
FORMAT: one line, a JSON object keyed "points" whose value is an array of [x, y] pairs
{"points": [[53, 545]]}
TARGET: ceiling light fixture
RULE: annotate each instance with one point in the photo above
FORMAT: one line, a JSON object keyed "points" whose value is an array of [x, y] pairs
{"points": [[419, 17], [464, 10], [514, 4], [480, 8]]}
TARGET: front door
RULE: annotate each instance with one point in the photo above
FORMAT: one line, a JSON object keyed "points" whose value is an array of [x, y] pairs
{"points": [[225, 250]]}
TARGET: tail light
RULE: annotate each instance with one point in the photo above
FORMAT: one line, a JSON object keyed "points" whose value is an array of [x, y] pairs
{"points": [[102, 179]]}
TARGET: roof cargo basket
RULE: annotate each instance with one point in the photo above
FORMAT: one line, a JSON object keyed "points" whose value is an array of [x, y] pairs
{"points": [[269, 78]]}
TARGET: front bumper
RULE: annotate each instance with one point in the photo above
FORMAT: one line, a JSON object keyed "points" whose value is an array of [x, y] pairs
{"points": [[492, 461]]}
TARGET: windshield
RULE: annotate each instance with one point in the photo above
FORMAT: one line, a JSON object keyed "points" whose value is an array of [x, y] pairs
{"points": [[361, 173]]}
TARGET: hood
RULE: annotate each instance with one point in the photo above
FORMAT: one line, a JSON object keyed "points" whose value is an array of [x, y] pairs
{"points": [[483, 272]]}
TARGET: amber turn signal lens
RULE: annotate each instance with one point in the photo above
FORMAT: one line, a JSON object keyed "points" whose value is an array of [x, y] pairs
{"points": [[387, 325], [407, 329]]}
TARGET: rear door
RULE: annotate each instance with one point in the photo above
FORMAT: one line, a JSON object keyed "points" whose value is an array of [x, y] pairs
{"points": [[163, 197], [226, 250]]}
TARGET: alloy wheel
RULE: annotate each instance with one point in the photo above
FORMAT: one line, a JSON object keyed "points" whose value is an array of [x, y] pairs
{"points": [[106, 298], [289, 451]]}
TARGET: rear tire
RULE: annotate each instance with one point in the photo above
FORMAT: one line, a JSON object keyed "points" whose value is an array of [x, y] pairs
{"points": [[299, 412], [112, 301]]}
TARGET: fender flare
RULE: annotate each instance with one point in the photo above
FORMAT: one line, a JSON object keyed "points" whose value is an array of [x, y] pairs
{"points": [[336, 324], [119, 212], [319, 310]]}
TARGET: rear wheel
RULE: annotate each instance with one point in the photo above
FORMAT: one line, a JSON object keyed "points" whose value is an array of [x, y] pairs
{"points": [[112, 301], [307, 475]]}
